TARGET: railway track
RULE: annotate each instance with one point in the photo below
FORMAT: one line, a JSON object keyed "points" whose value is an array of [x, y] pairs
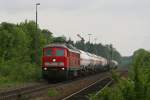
{"points": [[19, 93], [29, 92], [97, 86]]}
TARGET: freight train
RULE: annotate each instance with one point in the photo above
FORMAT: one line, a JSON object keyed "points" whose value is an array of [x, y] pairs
{"points": [[63, 61]]}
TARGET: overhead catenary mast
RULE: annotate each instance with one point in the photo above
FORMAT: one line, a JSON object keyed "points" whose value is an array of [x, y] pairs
{"points": [[82, 39], [82, 42], [89, 37]]}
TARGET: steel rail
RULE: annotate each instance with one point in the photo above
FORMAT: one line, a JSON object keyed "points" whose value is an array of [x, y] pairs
{"points": [[29, 91], [108, 84], [78, 92], [19, 92]]}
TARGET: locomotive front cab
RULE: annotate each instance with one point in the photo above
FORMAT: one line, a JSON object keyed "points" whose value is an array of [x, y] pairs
{"points": [[54, 62], [55, 57]]}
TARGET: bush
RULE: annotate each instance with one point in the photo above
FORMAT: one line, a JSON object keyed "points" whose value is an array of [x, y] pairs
{"points": [[136, 87], [23, 72], [17, 52], [52, 92]]}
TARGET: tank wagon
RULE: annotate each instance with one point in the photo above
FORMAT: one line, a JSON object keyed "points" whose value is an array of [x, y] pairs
{"points": [[63, 61]]}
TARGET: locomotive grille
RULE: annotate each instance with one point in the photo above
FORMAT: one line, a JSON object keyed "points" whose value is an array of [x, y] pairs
{"points": [[54, 64]]}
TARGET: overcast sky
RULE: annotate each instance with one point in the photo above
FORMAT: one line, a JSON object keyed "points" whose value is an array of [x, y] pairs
{"points": [[123, 23]]}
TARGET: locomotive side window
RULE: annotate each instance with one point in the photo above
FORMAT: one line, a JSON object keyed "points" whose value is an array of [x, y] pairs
{"points": [[60, 52], [48, 52]]}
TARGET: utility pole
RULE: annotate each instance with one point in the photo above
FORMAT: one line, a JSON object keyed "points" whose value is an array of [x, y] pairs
{"points": [[95, 39], [36, 36], [82, 41], [111, 55], [95, 45], [89, 37]]}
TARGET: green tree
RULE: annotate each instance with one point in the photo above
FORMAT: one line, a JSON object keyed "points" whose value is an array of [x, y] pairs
{"points": [[61, 39], [137, 86], [17, 51], [43, 37], [13, 43]]}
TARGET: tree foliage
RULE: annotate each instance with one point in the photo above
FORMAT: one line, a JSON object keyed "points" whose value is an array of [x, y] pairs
{"points": [[137, 86], [13, 41], [61, 39], [17, 51]]}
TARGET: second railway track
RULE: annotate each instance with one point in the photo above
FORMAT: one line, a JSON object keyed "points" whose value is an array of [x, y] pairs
{"points": [[94, 87]]}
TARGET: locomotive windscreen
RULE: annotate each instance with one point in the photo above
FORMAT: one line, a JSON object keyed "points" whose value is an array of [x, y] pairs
{"points": [[60, 52], [48, 52], [54, 52]]}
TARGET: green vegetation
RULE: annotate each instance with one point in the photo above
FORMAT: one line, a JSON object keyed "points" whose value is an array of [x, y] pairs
{"points": [[136, 87], [52, 92], [126, 62], [17, 51]]}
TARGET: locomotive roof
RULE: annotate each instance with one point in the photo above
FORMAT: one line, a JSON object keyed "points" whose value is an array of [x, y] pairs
{"points": [[63, 45]]}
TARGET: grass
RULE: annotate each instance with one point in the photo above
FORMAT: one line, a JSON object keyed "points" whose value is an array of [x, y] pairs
{"points": [[52, 92]]}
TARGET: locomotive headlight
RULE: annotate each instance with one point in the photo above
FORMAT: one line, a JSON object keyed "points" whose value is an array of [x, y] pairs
{"points": [[63, 68], [45, 68], [54, 60]]}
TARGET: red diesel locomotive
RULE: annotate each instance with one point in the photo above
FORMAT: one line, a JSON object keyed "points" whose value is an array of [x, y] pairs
{"points": [[59, 61], [63, 61]]}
